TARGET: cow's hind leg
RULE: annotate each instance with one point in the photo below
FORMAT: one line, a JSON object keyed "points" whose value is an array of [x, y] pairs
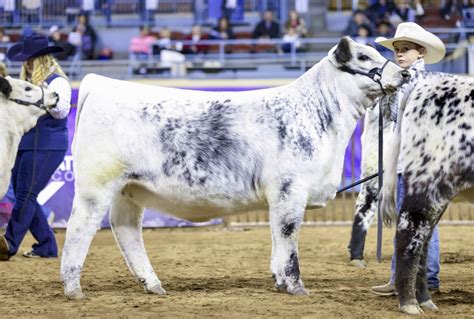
{"points": [[85, 219], [126, 222], [422, 292], [408, 253], [423, 295], [286, 214], [365, 212], [415, 226]]}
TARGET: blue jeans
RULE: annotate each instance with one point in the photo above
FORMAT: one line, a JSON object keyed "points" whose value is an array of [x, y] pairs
{"points": [[432, 260], [10, 196], [30, 176]]}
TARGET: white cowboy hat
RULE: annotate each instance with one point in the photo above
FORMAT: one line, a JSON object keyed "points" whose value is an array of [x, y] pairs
{"points": [[412, 32]]}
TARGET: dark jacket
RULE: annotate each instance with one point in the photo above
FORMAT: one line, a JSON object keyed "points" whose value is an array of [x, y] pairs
{"points": [[48, 134], [261, 30]]}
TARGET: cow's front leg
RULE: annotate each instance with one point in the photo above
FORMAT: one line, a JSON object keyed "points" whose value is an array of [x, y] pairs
{"points": [[85, 219], [286, 214], [412, 233], [126, 222]]}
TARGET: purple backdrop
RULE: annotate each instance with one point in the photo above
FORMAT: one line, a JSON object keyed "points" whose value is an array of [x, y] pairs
{"points": [[58, 194]]}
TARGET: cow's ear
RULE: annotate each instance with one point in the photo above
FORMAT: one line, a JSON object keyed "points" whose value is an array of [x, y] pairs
{"points": [[5, 87], [343, 51]]}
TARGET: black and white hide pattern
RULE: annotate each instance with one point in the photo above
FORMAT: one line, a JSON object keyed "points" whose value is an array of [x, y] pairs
{"points": [[435, 147], [200, 155]]}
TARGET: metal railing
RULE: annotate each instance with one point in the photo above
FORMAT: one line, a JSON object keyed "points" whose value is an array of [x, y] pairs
{"points": [[44, 13], [251, 54], [302, 54]]}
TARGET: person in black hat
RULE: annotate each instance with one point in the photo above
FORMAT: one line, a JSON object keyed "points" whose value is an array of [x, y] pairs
{"points": [[40, 152]]}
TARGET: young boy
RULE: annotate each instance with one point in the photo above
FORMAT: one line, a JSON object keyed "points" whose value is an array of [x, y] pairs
{"points": [[413, 47]]}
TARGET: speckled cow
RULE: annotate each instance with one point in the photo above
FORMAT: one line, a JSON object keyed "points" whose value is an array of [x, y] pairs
{"points": [[199, 155], [434, 143]]}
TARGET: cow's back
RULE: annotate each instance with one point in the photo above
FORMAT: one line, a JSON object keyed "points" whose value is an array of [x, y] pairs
{"points": [[438, 134], [178, 146]]}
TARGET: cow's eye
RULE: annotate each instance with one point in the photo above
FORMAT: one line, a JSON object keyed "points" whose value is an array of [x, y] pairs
{"points": [[364, 58], [28, 88]]}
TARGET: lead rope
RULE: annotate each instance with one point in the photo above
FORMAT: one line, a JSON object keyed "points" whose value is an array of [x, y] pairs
{"points": [[380, 179]]}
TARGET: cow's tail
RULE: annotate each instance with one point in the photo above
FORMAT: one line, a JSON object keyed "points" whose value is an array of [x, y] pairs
{"points": [[387, 195], [84, 90]]}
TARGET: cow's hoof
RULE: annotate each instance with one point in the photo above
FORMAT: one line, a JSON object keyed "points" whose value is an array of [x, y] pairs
{"points": [[298, 291], [359, 263], [413, 310], [75, 295], [430, 305], [156, 289], [280, 287]]}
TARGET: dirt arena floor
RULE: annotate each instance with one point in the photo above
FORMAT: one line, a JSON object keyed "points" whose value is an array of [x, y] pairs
{"points": [[216, 272]]}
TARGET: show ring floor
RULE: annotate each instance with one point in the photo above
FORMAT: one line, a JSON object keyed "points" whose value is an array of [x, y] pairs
{"points": [[213, 272]]}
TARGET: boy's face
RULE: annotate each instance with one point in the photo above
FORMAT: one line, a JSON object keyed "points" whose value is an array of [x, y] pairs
{"points": [[405, 53]]}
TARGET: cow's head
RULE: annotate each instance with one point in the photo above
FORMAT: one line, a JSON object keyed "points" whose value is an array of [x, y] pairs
{"points": [[21, 104], [372, 73]]}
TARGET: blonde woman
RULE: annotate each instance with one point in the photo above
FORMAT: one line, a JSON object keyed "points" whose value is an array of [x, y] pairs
{"points": [[41, 150]]}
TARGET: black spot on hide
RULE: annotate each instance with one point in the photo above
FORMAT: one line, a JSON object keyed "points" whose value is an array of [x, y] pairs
{"points": [[285, 188], [288, 229], [5, 87], [200, 147], [343, 51], [293, 267]]}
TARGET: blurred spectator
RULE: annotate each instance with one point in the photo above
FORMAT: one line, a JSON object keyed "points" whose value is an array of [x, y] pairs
{"points": [[9, 10], [467, 20], [228, 7], [88, 36], [87, 7], [364, 35], [267, 28], [74, 37], [384, 29], [164, 41], [31, 9], [141, 45], [105, 54], [467, 13], [405, 13], [223, 30], [4, 38], [380, 10], [296, 22], [449, 9], [291, 38], [147, 11], [358, 18], [106, 7], [196, 36], [55, 38], [73, 8]]}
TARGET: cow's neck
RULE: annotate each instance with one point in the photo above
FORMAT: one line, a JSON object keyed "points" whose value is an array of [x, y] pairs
{"points": [[22, 118], [15, 121], [333, 93]]}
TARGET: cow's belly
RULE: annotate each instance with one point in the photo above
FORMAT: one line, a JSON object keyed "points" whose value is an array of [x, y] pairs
{"points": [[465, 196], [197, 209]]}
